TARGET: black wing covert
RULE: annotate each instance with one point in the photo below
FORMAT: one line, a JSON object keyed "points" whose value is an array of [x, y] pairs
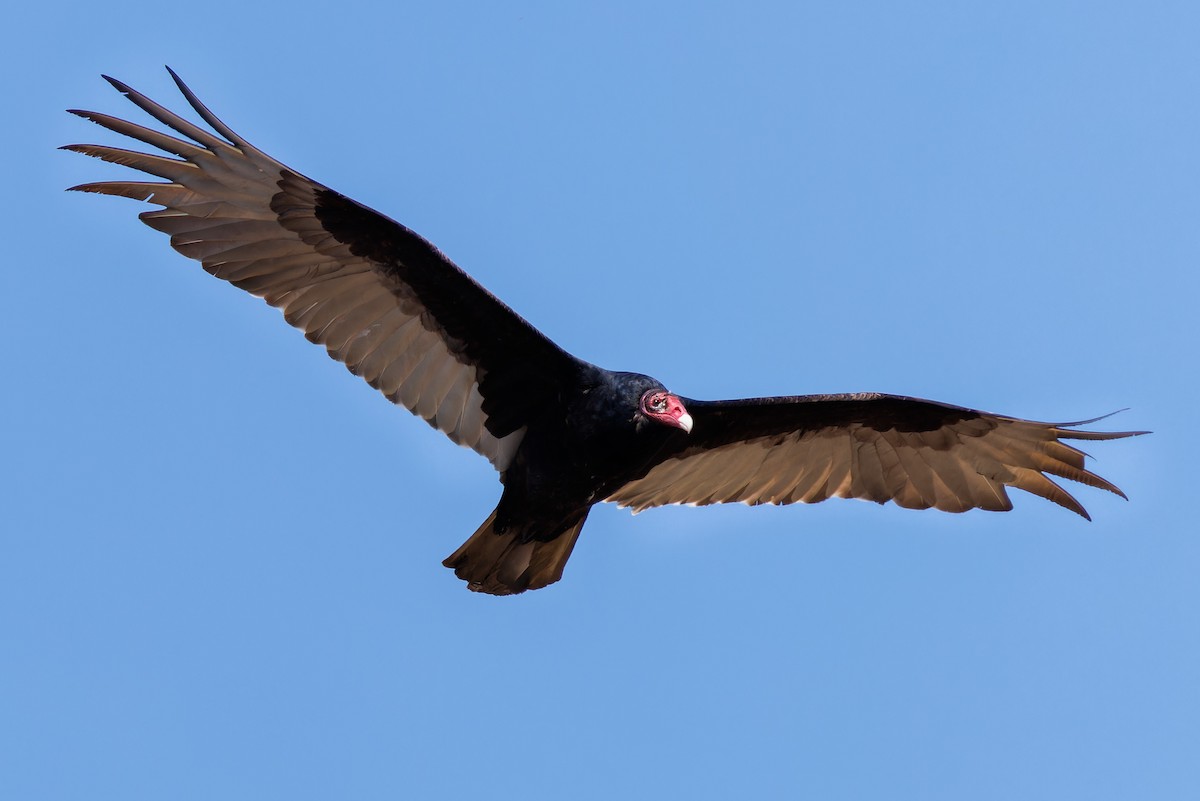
{"points": [[881, 448], [380, 298]]}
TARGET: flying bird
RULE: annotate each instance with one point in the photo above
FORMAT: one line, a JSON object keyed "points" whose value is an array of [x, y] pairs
{"points": [[562, 433]]}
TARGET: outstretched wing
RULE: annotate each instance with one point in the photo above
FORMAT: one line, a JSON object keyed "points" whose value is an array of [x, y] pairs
{"points": [[380, 298], [881, 448]]}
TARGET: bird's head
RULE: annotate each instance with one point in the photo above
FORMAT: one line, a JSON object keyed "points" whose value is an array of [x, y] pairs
{"points": [[663, 407]]}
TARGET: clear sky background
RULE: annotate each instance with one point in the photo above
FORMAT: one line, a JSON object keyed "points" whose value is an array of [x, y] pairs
{"points": [[219, 564]]}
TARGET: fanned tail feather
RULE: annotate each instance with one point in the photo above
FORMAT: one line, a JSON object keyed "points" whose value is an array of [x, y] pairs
{"points": [[501, 564]]}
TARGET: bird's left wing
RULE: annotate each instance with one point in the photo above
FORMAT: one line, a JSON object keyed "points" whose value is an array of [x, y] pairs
{"points": [[380, 298], [881, 448]]}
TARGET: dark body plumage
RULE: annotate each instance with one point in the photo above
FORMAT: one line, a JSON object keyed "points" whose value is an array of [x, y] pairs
{"points": [[563, 433]]}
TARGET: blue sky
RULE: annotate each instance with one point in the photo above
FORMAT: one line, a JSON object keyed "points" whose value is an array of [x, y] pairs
{"points": [[219, 564]]}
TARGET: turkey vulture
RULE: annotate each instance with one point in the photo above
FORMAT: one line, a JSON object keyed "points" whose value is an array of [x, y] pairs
{"points": [[563, 433]]}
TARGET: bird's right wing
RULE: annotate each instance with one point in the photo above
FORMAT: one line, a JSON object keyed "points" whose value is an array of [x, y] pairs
{"points": [[381, 299], [881, 448]]}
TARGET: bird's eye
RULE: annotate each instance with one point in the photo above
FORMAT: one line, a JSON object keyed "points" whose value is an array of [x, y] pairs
{"points": [[659, 403]]}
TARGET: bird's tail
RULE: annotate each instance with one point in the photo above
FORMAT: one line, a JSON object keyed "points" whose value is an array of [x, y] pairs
{"points": [[500, 564]]}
